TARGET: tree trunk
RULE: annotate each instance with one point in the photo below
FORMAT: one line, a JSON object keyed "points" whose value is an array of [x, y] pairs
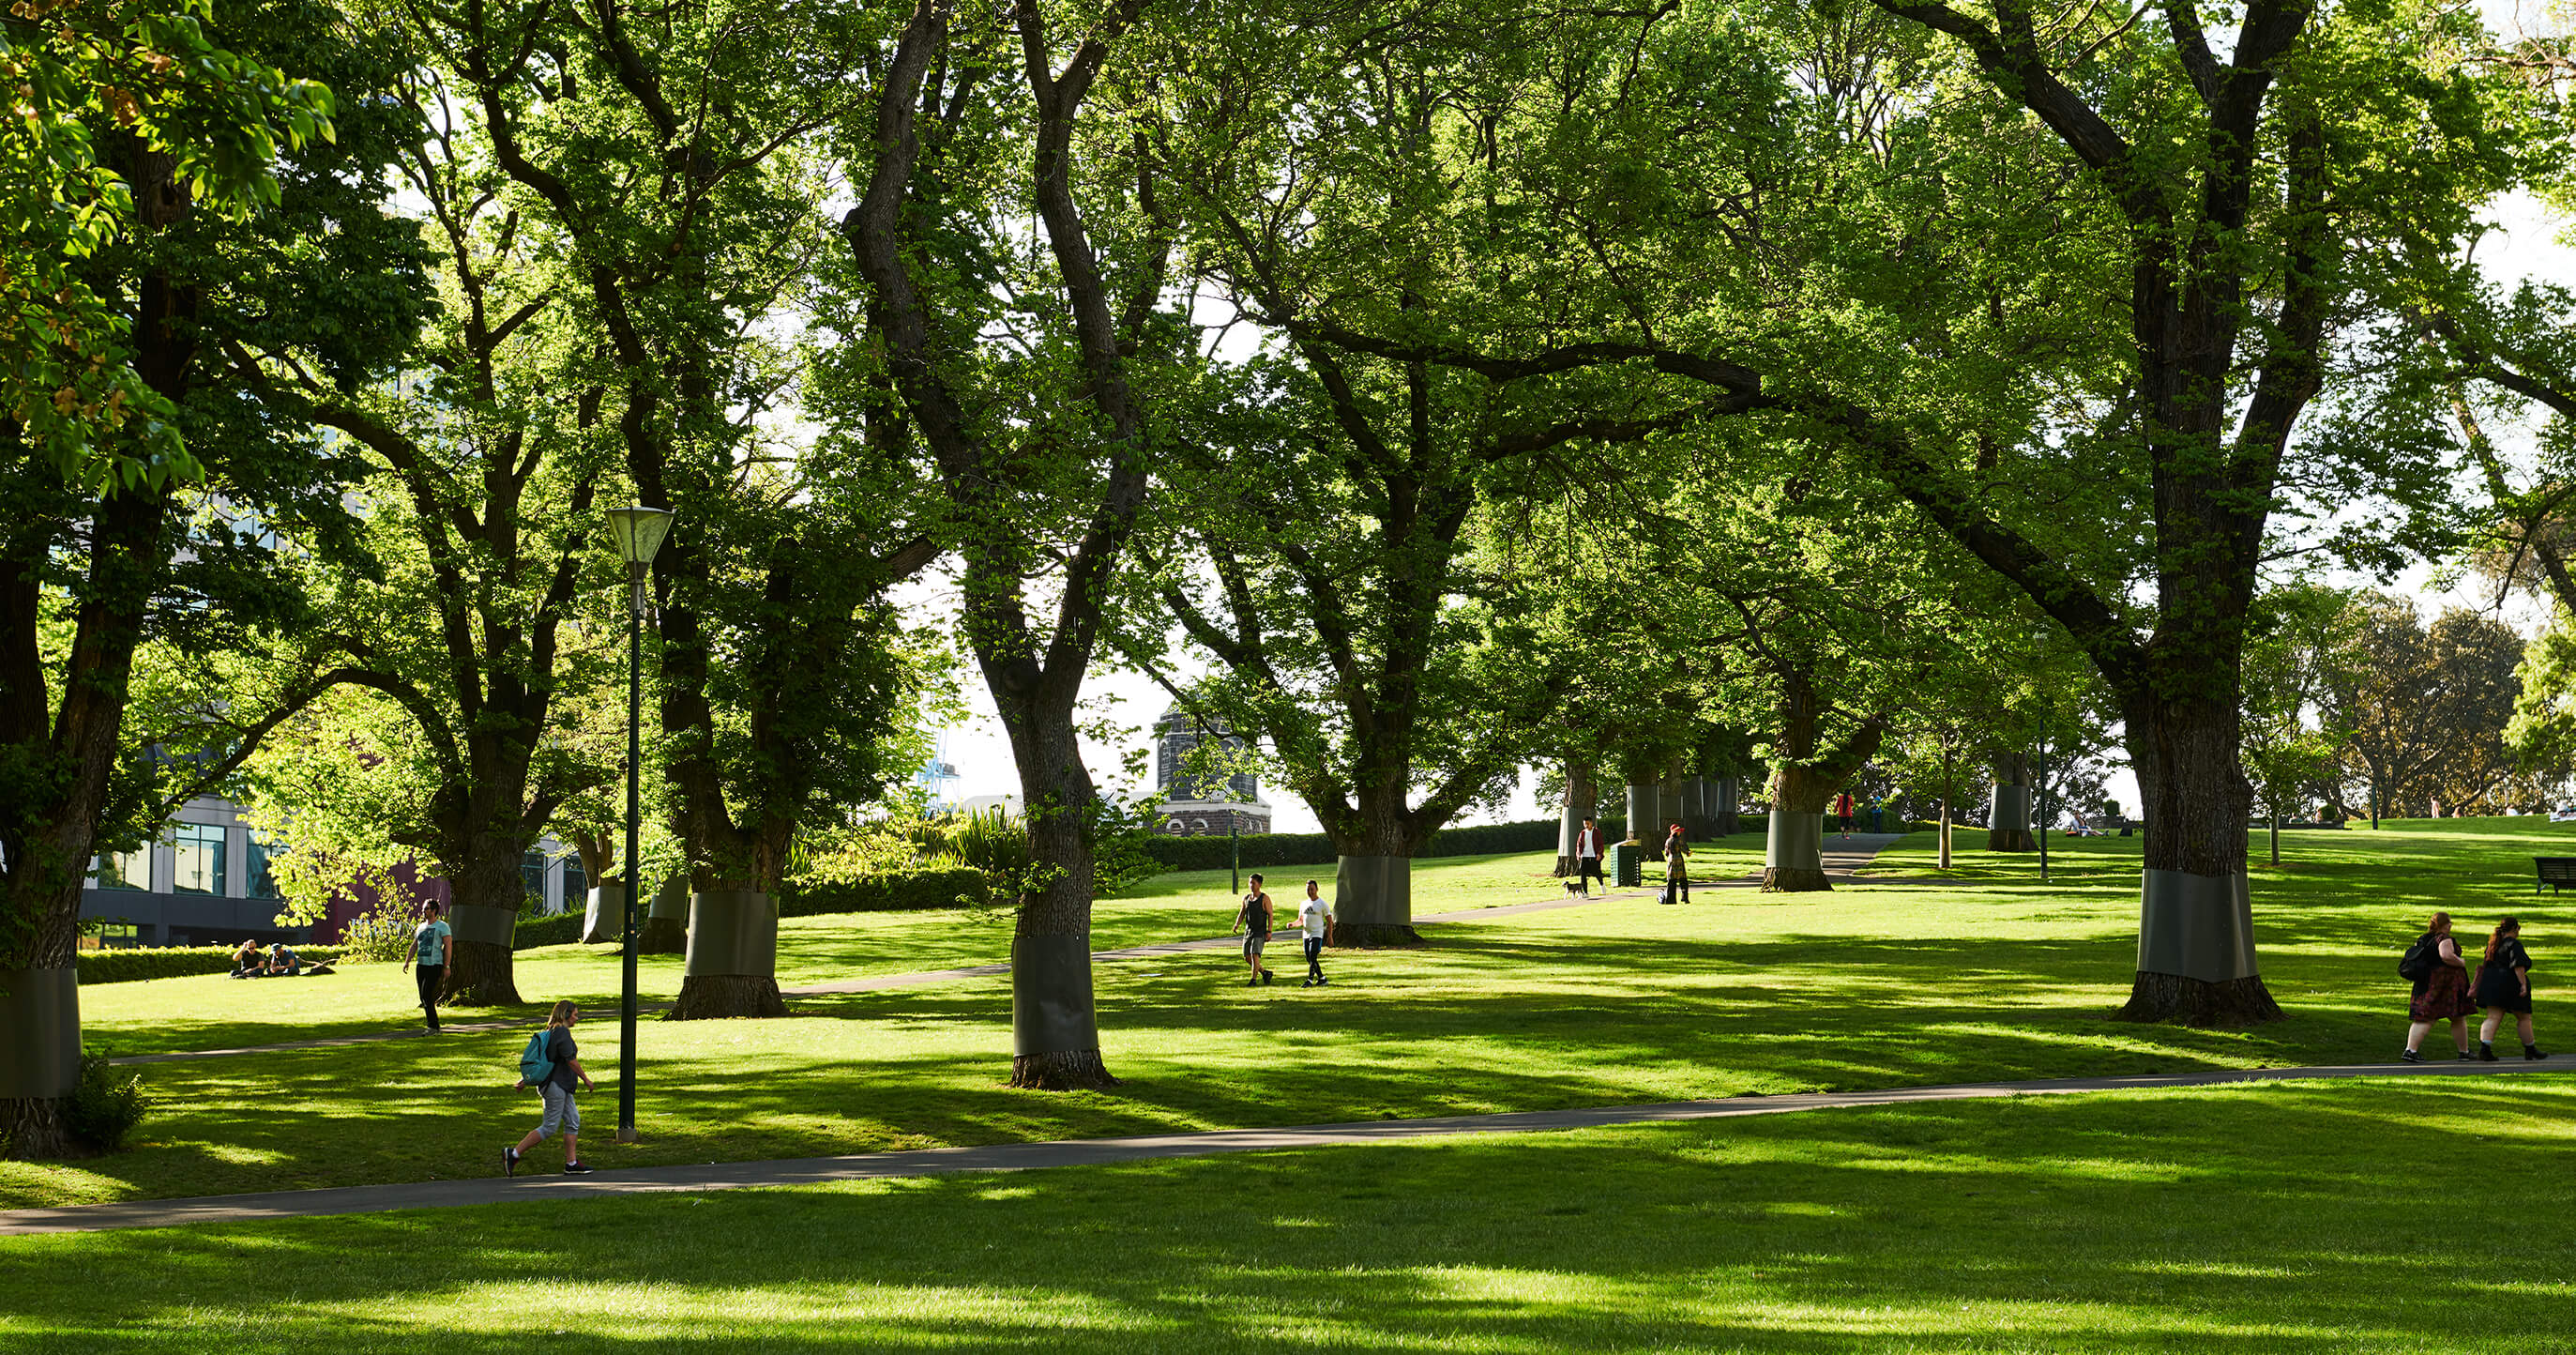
{"points": [[732, 965], [486, 892], [1641, 812], [2196, 960], [40, 1050], [1055, 1031], [1580, 795], [665, 930], [1373, 880], [1730, 791], [1794, 861], [2008, 815]]}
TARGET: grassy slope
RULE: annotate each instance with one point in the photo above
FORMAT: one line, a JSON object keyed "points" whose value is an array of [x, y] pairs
{"points": [[1871, 986], [2318, 1218]]}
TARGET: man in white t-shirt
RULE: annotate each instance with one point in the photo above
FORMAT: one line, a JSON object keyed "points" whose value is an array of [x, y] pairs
{"points": [[1315, 919], [1587, 859]]}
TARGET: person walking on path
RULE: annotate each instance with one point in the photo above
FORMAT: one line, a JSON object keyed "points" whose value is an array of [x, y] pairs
{"points": [[2442, 994], [1676, 867], [1253, 920], [2504, 985], [428, 960], [556, 1088], [1315, 919], [1843, 811], [1587, 859]]}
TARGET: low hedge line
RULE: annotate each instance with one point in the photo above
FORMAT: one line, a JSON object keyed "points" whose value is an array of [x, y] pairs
{"points": [[808, 898], [554, 929], [170, 962], [1310, 849]]}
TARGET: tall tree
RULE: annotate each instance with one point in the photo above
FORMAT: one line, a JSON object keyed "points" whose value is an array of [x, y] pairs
{"points": [[681, 154], [1045, 461], [116, 531]]}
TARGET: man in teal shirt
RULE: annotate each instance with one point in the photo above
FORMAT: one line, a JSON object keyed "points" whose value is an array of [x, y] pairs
{"points": [[428, 960]]}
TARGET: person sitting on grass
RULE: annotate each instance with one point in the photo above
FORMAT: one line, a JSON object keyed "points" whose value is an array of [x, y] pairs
{"points": [[557, 1090], [283, 962], [247, 961]]}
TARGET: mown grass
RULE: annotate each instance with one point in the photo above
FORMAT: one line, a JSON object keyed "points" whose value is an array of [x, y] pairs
{"points": [[2356, 1217], [1874, 985]]}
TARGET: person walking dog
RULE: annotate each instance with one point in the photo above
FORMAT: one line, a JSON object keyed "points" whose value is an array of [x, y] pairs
{"points": [[1315, 919], [2504, 985], [2441, 989], [551, 1065], [428, 961], [1253, 920], [1587, 859]]}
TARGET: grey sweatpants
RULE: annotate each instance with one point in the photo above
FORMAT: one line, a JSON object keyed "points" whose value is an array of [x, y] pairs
{"points": [[560, 1111]]}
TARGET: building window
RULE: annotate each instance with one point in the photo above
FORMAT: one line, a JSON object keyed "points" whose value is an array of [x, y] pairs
{"points": [[263, 879], [126, 870], [197, 859], [1199, 826], [532, 872], [576, 881]]}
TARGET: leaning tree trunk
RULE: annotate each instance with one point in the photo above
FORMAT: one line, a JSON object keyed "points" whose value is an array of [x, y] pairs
{"points": [[2008, 816], [40, 1041], [2196, 960], [1793, 862], [484, 916]]}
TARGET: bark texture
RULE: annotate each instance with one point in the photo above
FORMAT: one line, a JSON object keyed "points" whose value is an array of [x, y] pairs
{"points": [[708, 997], [2008, 816], [1815, 765]]}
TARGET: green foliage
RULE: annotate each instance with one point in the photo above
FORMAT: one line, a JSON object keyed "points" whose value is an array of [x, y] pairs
{"points": [[1263, 850], [558, 929], [106, 1105], [146, 70], [136, 963], [899, 891], [385, 934]]}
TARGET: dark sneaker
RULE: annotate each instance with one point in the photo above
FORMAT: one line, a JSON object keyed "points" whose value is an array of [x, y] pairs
{"points": [[1267, 976], [2467, 1057], [2411, 1056], [1252, 983], [509, 1162], [576, 1169], [2532, 1051], [2486, 1053]]}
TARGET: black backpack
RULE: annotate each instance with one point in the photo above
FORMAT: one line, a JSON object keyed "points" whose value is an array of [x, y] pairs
{"points": [[2416, 965]]}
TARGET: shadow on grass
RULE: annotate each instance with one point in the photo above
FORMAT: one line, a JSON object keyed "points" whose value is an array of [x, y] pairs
{"points": [[2253, 1221]]}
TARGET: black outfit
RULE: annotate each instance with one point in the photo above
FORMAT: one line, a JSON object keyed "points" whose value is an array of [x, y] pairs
{"points": [[1587, 868], [562, 1051], [2497, 986], [430, 976]]}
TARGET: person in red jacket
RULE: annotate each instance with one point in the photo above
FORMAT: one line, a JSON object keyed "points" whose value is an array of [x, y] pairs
{"points": [[1843, 811]]}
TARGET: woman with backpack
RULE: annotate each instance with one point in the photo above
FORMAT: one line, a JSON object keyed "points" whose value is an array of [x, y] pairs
{"points": [[2441, 988], [2504, 985], [552, 1063]]}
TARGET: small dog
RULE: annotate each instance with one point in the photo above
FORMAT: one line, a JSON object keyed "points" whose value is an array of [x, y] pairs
{"points": [[1577, 885]]}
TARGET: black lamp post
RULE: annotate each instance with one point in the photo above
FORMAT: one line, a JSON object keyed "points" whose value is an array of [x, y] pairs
{"points": [[639, 534]]}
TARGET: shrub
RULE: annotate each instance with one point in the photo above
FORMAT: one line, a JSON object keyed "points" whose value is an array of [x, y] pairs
{"points": [[554, 929], [1264, 850], [107, 1104], [381, 937], [938, 887], [168, 962]]}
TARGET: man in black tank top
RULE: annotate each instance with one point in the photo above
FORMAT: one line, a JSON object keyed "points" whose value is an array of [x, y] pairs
{"points": [[1252, 919]]}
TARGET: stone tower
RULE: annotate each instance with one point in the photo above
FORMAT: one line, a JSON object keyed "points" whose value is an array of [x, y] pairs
{"points": [[1195, 806]]}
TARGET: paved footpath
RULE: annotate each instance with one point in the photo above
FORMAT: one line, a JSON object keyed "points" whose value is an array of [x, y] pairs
{"points": [[1084, 1152], [1840, 861]]}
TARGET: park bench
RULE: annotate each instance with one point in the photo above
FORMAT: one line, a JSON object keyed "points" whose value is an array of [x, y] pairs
{"points": [[2556, 872]]}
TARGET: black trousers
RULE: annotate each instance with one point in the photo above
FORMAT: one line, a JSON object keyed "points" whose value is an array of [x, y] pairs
{"points": [[1588, 869], [430, 976], [1314, 957]]}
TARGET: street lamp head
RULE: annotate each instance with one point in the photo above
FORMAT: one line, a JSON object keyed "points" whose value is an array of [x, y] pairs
{"points": [[639, 532]]}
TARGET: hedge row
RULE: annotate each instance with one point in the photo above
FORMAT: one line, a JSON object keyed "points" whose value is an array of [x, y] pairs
{"points": [[169, 962], [808, 898], [554, 929], [1315, 849]]}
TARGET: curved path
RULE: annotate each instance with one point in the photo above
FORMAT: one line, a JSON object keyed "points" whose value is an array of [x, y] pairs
{"points": [[1840, 862], [1082, 1152]]}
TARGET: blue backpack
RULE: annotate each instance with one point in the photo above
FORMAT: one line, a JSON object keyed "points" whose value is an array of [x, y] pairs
{"points": [[534, 1066]]}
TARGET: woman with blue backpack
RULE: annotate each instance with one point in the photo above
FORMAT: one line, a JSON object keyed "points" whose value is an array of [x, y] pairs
{"points": [[551, 1064], [2441, 988]]}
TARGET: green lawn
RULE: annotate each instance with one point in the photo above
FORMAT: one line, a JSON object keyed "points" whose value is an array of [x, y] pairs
{"points": [[1868, 986], [2358, 1218]]}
